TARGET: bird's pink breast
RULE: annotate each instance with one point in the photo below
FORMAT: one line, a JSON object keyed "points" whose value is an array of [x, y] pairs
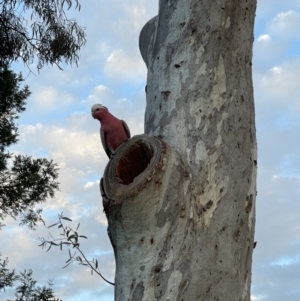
{"points": [[114, 132]]}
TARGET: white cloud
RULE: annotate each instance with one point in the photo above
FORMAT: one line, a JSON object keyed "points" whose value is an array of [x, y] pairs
{"points": [[264, 38], [285, 25], [101, 219], [279, 38], [100, 94], [126, 67], [70, 148], [285, 261], [281, 83], [90, 184], [48, 97]]}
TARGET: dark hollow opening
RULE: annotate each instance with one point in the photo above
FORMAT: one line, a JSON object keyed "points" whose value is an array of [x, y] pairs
{"points": [[133, 162]]}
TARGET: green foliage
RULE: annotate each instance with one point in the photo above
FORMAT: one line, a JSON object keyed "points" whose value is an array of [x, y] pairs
{"points": [[7, 277], [12, 102], [27, 290], [30, 28], [28, 182], [24, 181], [70, 239]]}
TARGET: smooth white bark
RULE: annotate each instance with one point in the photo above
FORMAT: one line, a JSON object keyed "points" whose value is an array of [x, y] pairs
{"points": [[187, 234]]}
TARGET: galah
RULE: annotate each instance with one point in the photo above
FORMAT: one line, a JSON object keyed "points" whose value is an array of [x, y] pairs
{"points": [[113, 131]]}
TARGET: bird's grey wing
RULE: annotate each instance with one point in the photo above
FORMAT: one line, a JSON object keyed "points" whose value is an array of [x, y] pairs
{"points": [[104, 144], [126, 128]]}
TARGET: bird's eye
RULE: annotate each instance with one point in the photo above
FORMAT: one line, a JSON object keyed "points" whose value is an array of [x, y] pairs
{"points": [[97, 109]]}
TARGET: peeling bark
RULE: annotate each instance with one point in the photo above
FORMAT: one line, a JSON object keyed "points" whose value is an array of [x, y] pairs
{"points": [[141, 213], [181, 208]]}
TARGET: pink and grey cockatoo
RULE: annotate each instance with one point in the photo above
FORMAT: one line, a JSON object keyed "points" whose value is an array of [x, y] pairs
{"points": [[113, 131]]}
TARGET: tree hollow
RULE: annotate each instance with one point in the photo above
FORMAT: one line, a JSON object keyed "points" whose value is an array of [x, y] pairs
{"points": [[132, 167]]}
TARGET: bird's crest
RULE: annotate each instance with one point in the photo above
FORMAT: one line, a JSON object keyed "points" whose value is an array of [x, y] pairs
{"points": [[98, 106]]}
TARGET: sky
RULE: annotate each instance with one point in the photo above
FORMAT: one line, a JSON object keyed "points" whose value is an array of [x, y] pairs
{"points": [[57, 124]]}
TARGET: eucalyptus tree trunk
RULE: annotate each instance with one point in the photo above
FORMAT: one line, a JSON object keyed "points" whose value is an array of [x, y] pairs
{"points": [[180, 200]]}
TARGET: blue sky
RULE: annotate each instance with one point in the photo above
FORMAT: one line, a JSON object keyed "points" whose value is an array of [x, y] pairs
{"points": [[57, 124]]}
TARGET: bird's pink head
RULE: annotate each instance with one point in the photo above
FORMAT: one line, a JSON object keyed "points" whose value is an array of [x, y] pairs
{"points": [[98, 110]]}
